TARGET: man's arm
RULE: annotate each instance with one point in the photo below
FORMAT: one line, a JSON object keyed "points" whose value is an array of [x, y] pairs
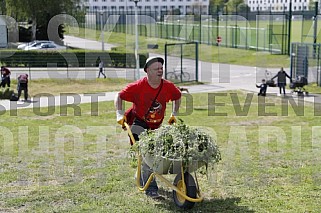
{"points": [[120, 113], [176, 105], [118, 102], [275, 76]]}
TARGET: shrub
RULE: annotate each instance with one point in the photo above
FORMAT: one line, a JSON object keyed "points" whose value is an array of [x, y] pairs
{"points": [[6, 94]]}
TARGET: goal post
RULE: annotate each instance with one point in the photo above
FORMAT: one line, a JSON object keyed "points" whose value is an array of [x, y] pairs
{"points": [[181, 62]]}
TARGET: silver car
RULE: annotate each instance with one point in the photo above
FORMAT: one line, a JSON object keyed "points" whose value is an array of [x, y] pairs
{"points": [[47, 46], [27, 46]]}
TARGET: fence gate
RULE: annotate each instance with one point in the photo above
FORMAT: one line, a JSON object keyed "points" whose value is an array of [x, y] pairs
{"points": [[305, 61], [181, 62]]}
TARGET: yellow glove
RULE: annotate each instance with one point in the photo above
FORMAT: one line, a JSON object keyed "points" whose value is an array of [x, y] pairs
{"points": [[172, 119], [121, 118]]}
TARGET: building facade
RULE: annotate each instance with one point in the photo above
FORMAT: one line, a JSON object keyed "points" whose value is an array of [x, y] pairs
{"points": [[184, 6], [278, 5]]}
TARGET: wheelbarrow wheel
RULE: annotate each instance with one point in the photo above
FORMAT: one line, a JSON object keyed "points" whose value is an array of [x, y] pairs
{"points": [[190, 191]]}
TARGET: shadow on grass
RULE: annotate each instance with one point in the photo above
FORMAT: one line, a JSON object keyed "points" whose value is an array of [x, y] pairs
{"points": [[208, 205]]}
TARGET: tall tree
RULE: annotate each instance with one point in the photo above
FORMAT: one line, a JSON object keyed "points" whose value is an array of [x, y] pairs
{"points": [[232, 5], [39, 12], [216, 6]]}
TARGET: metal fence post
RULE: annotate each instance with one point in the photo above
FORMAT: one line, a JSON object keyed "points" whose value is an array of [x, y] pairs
{"points": [[196, 61], [290, 26]]}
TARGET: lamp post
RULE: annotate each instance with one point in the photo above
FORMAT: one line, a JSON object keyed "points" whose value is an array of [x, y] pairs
{"points": [[290, 26], [316, 10], [315, 26], [102, 31], [137, 75]]}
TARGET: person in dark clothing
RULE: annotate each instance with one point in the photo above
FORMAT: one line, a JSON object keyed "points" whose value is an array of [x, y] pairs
{"points": [[5, 77], [101, 68], [23, 85], [282, 75], [263, 88]]}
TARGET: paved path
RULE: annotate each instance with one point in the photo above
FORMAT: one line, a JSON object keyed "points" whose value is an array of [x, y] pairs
{"points": [[81, 43], [219, 77]]}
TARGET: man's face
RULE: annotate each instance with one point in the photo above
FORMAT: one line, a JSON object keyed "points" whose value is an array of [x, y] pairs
{"points": [[155, 70]]}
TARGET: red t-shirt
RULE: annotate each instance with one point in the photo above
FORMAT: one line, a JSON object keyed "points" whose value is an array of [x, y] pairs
{"points": [[141, 94]]}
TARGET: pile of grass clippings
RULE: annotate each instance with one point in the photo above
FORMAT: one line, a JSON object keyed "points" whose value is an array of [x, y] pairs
{"points": [[179, 142]]}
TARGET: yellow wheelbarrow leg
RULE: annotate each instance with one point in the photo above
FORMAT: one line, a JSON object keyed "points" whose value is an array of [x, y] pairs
{"points": [[150, 179]]}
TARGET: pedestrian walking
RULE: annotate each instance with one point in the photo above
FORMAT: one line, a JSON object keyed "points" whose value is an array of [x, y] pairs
{"points": [[101, 68]]}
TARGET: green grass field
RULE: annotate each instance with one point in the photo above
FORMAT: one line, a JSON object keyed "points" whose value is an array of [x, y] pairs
{"points": [[67, 163], [267, 34]]}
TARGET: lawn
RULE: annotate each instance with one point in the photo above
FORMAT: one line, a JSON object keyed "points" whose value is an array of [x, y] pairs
{"points": [[58, 86], [208, 53], [270, 158]]}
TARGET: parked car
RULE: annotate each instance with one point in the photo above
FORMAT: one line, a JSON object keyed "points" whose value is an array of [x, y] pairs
{"points": [[47, 46], [28, 45]]}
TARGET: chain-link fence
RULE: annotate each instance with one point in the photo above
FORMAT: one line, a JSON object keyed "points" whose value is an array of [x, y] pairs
{"points": [[181, 62], [305, 61], [260, 31]]}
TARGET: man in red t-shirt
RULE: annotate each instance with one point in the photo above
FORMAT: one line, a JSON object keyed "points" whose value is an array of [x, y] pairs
{"points": [[149, 96], [5, 77]]}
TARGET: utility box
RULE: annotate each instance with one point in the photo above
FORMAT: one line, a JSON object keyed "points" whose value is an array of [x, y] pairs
{"points": [[3, 34]]}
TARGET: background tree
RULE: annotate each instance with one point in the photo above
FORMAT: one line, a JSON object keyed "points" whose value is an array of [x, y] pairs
{"points": [[217, 6], [2, 7], [312, 5], [38, 13], [243, 8], [232, 5]]}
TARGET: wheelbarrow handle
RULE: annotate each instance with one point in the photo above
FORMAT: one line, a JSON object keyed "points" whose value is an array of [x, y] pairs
{"points": [[130, 134]]}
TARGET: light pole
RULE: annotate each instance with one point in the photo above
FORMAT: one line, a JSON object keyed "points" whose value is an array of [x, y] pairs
{"points": [[290, 27], [315, 26], [102, 31], [137, 74], [316, 11]]}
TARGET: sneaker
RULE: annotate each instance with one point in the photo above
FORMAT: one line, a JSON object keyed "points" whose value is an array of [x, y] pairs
{"points": [[279, 94], [153, 194]]}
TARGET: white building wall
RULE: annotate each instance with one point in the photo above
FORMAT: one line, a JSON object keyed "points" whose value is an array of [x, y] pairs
{"points": [[184, 6], [3, 33], [278, 5]]}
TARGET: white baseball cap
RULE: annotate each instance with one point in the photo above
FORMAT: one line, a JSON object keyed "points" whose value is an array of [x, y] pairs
{"points": [[151, 60]]}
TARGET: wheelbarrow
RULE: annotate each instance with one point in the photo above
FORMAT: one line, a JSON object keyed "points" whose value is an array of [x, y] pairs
{"points": [[185, 187]]}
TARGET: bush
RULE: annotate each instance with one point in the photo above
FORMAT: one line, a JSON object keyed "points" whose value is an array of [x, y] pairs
{"points": [[71, 58], [6, 94], [179, 142]]}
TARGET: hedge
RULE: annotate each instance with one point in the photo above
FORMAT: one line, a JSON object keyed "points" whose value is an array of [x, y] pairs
{"points": [[72, 58]]}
